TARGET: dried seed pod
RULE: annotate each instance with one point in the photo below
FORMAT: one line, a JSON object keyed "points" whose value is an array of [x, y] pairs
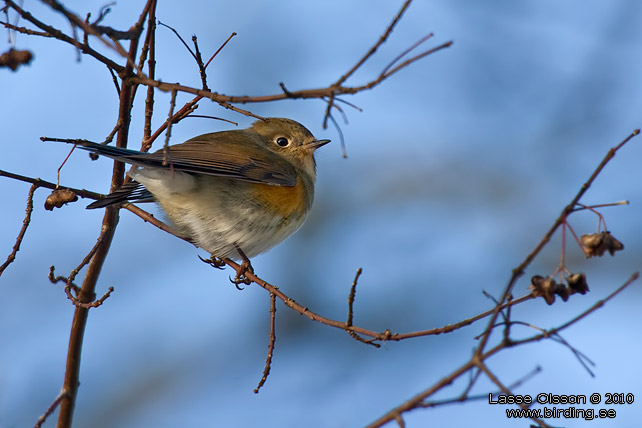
{"points": [[612, 245], [545, 287], [577, 283], [596, 244], [562, 291], [59, 197], [14, 58]]}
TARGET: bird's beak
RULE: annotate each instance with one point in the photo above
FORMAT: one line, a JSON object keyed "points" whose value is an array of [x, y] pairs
{"points": [[316, 144]]}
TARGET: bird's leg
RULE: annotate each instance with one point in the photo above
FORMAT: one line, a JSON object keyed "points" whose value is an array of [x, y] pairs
{"points": [[246, 266]]}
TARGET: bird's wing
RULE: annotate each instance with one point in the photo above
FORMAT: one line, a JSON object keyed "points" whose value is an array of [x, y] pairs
{"points": [[219, 154]]}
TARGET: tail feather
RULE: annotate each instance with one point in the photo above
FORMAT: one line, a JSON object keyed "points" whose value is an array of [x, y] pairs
{"points": [[105, 150], [130, 192]]}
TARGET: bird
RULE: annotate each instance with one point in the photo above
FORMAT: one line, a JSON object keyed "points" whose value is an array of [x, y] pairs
{"points": [[235, 193]]}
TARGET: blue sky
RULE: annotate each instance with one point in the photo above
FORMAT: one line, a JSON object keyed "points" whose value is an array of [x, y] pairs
{"points": [[456, 167]]}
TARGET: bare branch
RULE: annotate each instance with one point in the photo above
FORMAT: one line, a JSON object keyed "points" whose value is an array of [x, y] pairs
{"points": [[272, 341], [54, 32], [52, 408], [23, 229], [519, 270], [376, 46], [42, 183], [110, 219], [24, 30]]}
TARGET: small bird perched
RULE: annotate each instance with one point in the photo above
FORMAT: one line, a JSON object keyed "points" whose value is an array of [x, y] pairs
{"points": [[233, 193]]}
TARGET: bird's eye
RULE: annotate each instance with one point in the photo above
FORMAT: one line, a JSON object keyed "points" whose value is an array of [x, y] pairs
{"points": [[282, 142]]}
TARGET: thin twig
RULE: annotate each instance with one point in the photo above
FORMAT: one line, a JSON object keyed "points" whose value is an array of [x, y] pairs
{"points": [[582, 207], [85, 38], [351, 297], [376, 46], [581, 357], [400, 421], [409, 61], [386, 335], [23, 229], [199, 62], [419, 398], [239, 110], [72, 275], [353, 292], [63, 164], [52, 408], [42, 183], [519, 270], [203, 116], [464, 398], [483, 367], [344, 152], [24, 30], [327, 92], [406, 52], [272, 341], [56, 279], [98, 31], [168, 133], [354, 106], [103, 12], [196, 54], [150, 43], [149, 218], [179, 38], [479, 355], [114, 79], [190, 105], [219, 49], [54, 32], [110, 136], [379, 336]]}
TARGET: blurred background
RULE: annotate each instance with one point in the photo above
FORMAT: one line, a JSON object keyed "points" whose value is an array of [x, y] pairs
{"points": [[456, 167]]}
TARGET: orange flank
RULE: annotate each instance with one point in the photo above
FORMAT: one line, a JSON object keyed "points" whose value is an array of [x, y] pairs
{"points": [[284, 200]]}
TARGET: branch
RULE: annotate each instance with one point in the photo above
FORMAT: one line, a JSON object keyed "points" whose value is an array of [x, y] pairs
{"points": [[133, 34], [479, 356], [42, 183], [183, 112], [54, 32], [23, 229], [289, 302], [110, 220], [24, 30], [484, 368], [272, 341], [376, 46], [330, 91], [519, 270], [418, 400]]}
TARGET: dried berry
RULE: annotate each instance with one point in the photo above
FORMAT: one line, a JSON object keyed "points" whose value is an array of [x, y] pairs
{"points": [[59, 197], [14, 58], [562, 291], [596, 244], [545, 287], [577, 283]]}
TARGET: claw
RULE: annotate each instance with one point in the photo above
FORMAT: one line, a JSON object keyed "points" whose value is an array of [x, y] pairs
{"points": [[238, 280], [240, 277], [213, 261]]}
